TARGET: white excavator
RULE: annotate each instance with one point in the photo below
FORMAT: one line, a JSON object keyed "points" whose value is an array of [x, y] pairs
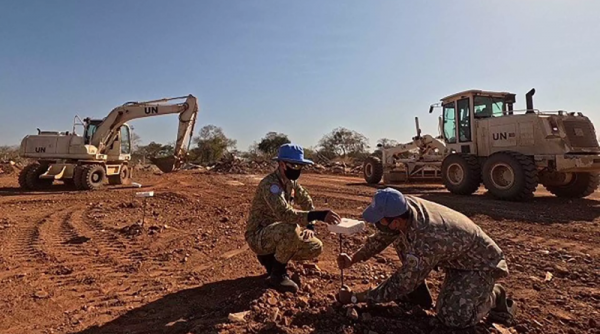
{"points": [[103, 152]]}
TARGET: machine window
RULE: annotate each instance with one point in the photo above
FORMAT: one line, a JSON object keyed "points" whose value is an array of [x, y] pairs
{"points": [[450, 123], [464, 120], [125, 141], [487, 107], [91, 129]]}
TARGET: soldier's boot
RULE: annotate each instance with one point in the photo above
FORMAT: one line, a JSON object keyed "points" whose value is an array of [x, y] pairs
{"points": [[279, 278], [505, 310], [420, 296], [267, 262]]}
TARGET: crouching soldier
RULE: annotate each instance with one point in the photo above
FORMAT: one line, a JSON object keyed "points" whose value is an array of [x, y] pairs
{"points": [[275, 228], [427, 235]]}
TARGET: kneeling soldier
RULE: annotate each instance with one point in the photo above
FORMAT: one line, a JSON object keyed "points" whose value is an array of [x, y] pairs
{"points": [[274, 229], [427, 235]]}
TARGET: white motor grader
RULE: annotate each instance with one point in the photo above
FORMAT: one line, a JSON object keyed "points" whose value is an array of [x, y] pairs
{"points": [[483, 140], [104, 150]]}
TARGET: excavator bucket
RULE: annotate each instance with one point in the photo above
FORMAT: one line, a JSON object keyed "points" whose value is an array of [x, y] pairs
{"points": [[166, 164]]}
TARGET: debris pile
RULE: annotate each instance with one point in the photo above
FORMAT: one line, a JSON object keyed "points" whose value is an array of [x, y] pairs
{"points": [[241, 166], [336, 168], [8, 167], [148, 168]]}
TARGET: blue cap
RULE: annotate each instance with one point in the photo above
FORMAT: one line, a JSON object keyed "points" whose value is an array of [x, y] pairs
{"points": [[292, 153], [387, 202]]}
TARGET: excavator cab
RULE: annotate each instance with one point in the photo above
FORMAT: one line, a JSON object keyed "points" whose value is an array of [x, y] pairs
{"points": [[122, 138], [91, 125]]}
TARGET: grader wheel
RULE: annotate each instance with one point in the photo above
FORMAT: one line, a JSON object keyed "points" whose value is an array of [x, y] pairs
{"points": [[510, 176], [461, 173], [581, 185], [373, 170]]}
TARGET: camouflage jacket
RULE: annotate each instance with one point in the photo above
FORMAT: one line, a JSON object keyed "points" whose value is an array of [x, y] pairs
{"points": [[437, 237], [274, 200]]}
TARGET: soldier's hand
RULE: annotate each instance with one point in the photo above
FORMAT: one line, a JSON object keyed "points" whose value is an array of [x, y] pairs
{"points": [[346, 296], [332, 218], [307, 234], [344, 261]]}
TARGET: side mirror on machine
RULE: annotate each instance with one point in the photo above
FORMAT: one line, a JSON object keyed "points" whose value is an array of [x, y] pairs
{"points": [[431, 109]]}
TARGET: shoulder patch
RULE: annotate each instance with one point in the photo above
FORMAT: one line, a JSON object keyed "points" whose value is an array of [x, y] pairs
{"points": [[412, 261], [275, 189]]}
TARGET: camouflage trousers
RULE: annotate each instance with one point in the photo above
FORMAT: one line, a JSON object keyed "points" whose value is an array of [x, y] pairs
{"points": [[284, 240], [465, 298]]}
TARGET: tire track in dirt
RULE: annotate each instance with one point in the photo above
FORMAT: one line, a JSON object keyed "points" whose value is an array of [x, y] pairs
{"points": [[75, 252], [80, 257], [137, 274], [24, 248], [555, 243]]}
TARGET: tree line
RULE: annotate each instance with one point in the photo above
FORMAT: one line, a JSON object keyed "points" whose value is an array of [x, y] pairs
{"points": [[212, 145]]}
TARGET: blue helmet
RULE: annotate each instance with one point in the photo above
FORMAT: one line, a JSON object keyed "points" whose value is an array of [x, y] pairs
{"points": [[387, 202], [292, 153]]}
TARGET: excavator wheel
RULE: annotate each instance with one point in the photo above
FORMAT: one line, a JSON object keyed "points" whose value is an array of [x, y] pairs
{"points": [[30, 177], [23, 176], [78, 177], [92, 177], [124, 177]]}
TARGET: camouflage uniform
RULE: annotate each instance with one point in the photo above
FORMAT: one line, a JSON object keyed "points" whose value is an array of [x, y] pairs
{"points": [[274, 226], [440, 237]]}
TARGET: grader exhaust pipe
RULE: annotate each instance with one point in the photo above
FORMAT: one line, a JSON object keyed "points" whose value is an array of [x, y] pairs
{"points": [[529, 101]]}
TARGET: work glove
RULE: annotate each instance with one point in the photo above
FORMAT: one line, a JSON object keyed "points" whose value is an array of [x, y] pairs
{"points": [[307, 234], [332, 218], [326, 216]]}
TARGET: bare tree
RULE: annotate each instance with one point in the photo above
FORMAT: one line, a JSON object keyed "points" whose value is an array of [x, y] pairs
{"points": [[343, 142]]}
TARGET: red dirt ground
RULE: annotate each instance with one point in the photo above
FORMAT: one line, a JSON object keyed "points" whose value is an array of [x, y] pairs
{"points": [[73, 262]]}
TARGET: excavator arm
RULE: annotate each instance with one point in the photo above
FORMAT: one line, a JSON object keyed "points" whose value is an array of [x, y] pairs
{"points": [[108, 130]]}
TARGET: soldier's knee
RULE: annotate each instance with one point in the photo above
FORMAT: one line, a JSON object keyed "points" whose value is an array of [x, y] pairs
{"points": [[290, 230], [309, 249]]}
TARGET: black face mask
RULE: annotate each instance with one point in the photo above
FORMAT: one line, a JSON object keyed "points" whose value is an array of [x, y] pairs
{"points": [[292, 174], [386, 229]]}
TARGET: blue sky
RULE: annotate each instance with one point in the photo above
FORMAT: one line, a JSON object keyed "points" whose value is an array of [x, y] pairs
{"points": [[302, 68]]}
